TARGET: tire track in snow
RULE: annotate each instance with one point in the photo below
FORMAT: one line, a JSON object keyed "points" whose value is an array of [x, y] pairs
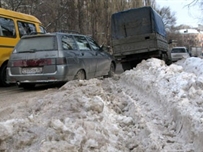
{"points": [[153, 124]]}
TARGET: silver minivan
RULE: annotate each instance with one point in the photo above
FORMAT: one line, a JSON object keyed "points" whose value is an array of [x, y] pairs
{"points": [[57, 57]]}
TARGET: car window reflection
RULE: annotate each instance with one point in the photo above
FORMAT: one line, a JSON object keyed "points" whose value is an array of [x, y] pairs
{"points": [[82, 43], [68, 43]]}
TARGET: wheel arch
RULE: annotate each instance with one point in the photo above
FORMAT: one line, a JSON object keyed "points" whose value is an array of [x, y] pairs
{"points": [[3, 75], [86, 76], [4, 63]]}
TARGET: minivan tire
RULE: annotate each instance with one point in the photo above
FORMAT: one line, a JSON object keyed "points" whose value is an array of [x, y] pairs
{"points": [[80, 75], [3, 79]]}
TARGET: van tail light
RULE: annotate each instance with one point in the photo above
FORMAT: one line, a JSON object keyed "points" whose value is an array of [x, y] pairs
{"points": [[32, 62], [37, 62]]}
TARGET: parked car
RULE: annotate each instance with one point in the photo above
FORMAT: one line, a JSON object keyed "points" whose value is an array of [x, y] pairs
{"points": [[57, 57], [177, 53]]}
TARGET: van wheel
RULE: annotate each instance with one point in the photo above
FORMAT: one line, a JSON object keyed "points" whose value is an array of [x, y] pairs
{"points": [[164, 57], [3, 76], [28, 86], [80, 75]]}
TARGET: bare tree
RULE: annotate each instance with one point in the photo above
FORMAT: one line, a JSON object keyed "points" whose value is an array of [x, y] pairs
{"points": [[92, 17], [151, 3], [81, 15], [168, 17]]}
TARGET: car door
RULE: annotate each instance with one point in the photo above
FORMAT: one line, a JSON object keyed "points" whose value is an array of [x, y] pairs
{"points": [[87, 56], [71, 54], [103, 59]]}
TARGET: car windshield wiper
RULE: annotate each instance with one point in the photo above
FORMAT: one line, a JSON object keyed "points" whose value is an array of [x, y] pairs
{"points": [[28, 51]]}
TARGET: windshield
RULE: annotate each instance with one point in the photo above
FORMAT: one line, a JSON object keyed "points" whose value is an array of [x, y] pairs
{"points": [[36, 44], [178, 50]]}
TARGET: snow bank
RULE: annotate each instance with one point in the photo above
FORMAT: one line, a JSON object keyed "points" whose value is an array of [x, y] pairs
{"points": [[179, 89], [153, 107]]}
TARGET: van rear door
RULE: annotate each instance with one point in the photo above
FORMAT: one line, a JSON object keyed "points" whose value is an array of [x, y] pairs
{"points": [[34, 56]]}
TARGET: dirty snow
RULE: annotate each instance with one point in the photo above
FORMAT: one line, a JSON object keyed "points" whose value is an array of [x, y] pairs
{"points": [[151, 108]]}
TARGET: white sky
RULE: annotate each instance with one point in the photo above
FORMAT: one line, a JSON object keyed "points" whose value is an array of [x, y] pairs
{"points": [[189, 16], [151, 108]]}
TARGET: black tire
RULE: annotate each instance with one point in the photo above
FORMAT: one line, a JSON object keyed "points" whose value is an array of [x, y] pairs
{"points": [[3, 78], [165, 57], [80, 75], [27, 86]]}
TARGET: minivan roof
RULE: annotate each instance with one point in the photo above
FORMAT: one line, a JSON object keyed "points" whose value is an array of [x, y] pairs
{"points": [[50, 34], [179, 47], [18, 15]]}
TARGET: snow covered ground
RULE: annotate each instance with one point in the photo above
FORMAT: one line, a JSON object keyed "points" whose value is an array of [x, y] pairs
{"points": [[152, 108]]}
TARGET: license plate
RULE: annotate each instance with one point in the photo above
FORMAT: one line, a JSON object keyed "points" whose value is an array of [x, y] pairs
{"points": [[31, 70]]}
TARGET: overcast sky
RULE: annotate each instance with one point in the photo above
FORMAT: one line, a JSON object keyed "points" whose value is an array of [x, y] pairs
{"points": [[189, 16]]}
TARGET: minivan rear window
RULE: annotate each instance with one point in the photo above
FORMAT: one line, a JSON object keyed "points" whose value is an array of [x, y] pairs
{"points": [[36, 44]]}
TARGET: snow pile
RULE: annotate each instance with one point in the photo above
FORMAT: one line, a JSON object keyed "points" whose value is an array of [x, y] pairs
{"points": [[153, 107], [77, 118], [180, 94]]}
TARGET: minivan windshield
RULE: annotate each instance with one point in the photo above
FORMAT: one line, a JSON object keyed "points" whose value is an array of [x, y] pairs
{"points": [[36, 44], [178, 50]]}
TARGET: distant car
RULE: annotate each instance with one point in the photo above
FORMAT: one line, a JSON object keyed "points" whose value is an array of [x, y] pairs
{"points": [[177, 53], [57, 57]]}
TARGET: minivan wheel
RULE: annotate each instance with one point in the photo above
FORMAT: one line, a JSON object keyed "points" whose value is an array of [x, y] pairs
{"points": [[3, 79], [27, 86], [80, 75]]}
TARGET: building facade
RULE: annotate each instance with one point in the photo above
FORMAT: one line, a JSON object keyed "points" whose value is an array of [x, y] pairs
{"points": [[192, 37]]}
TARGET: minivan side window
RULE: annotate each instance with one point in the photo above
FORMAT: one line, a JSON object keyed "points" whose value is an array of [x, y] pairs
{"points": [[93, 44], [26, 28], [7, 27], [68, 42], [42, 29], [82, 43]]}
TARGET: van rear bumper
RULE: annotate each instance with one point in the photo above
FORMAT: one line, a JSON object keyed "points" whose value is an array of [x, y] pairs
{"points": [[61, 75]]}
